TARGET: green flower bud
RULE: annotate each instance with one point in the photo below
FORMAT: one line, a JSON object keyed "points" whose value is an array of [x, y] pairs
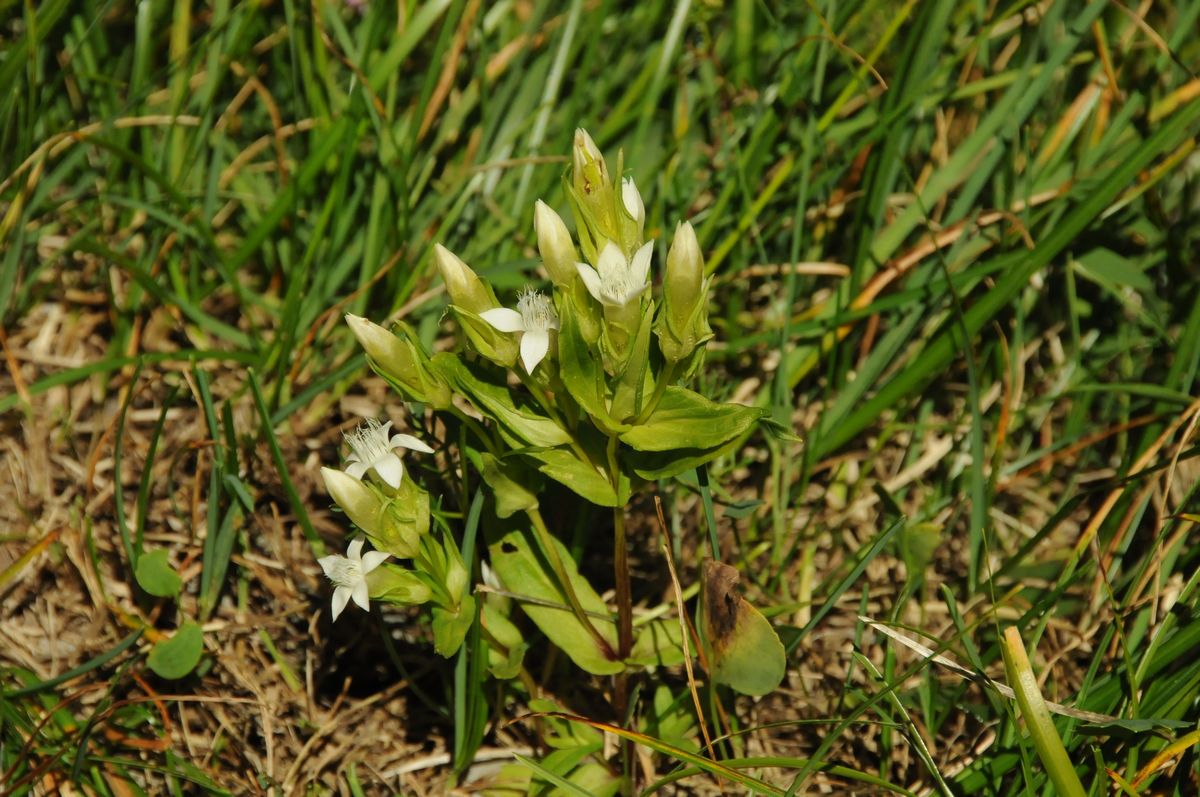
{"points": [[633, 220], [591, 173], [370, 511], [464, 286], [458, 580], [386, 349], [360, 503], [683, 286], [685, 312], [400, 361], [555, 245], [595, 199], [394, 584]]}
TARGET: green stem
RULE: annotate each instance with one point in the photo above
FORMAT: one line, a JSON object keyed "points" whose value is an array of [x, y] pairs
{"points": [[546, 543], [480, 431], [664, 382], [551, 412]]}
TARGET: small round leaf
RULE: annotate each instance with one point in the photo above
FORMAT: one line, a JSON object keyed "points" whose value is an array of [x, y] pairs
{"points": [[176, 657]]}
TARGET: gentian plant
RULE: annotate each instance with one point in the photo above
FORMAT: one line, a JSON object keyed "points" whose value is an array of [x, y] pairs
{"points": [[581, 385]]}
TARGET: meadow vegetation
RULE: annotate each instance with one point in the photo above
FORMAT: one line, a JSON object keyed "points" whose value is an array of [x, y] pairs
{"points": [[954, 252]]}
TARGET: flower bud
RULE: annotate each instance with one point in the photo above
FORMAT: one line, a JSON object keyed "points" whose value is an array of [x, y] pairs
{"points": [[464, 286], [357, 500], [387, 350], [683, 285], [632, 199], [394, 584], [398, 359], [596, 201], [554, 244], [684, 321], [591, 173]]}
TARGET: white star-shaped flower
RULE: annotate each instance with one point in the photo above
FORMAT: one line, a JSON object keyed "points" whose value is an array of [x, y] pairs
{"points": [[533, 319], [372, 448], [616, 281], [349, 575]]}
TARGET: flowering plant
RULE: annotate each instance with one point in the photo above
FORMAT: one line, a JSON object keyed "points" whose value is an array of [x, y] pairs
{"points": [[580, 386]]}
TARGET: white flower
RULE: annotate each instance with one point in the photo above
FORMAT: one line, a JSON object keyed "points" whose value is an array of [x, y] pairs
{"points": [[615, 281], [372, 448], [533, 318], [349, 575]]}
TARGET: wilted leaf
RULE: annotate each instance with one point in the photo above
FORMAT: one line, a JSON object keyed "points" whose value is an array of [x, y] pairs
{"points": [[743, 649]]}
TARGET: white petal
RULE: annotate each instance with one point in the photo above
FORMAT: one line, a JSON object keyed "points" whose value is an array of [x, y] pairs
{"points": [[634, 292], [341, 596], [639, 267], [591, 279], [504, 319], [390, 469], [410, 442], [611, 260], [352, 457], [327, 563], [354, 551], [373, 559], [357, 469], [361, 595], [383, 430], [534, 346]]}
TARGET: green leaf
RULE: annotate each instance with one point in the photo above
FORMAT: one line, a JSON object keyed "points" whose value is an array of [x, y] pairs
{"points": [[685, 419], [450, 626], [581, 478], [155, 574], [512, 485], [744, 652], [1108, 268], [658, 644], [918, 543], [506, 645], [1046, 741], [403, 519], [524, 572], [176, 657], [560, 733], [497, 401], [653, 465], [581, 372], [631, 383]]}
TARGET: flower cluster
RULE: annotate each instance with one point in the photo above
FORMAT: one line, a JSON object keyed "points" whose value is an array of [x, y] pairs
{"points": [[576, 383], [393, 513]]}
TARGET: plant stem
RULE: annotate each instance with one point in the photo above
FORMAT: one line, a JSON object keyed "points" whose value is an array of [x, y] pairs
{"points": [[664, 382], [546, 542], [620, 559], [480, 431], [552, 412]]}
